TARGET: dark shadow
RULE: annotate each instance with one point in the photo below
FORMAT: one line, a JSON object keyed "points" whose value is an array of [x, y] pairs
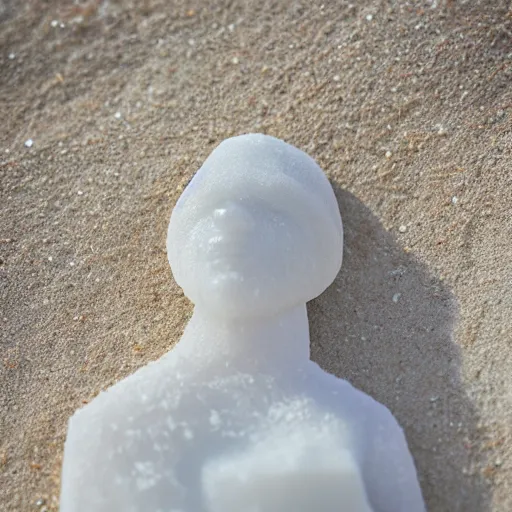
{"points": [[386, 325]]}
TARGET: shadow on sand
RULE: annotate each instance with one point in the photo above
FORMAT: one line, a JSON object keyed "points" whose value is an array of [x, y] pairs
{"points": [[386, 325]]}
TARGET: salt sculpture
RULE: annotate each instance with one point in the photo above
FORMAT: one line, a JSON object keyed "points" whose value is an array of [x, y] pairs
{"points": [[237, 418]]}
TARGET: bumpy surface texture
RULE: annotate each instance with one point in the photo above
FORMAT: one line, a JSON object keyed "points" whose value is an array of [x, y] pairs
{"points": [[237, 418], [406, 106], [257, 230]]}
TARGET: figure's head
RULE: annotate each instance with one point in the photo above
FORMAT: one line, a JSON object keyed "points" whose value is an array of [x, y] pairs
{"points": [[256, 231]]}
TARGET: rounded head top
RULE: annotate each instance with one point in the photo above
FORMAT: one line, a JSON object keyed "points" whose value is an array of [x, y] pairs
{"points": [[256, 231]]}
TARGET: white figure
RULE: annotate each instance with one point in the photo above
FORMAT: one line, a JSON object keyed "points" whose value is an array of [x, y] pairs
{"points": [[236, 418]]}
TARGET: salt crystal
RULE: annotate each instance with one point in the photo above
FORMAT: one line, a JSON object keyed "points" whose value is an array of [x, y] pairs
{"points": [[402, 228], [396, 297], [249, 423], [12, 56], [29, 143], [369, 17], [54, 23], [455, 199], [118, 115]]}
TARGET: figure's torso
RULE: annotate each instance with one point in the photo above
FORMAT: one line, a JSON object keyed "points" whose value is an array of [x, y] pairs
{"points": [[144, 443]]}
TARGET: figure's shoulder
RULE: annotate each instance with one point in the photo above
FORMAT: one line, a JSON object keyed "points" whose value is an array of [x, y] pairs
{"points": [[373, 418], [340, 395], [157, 384]]}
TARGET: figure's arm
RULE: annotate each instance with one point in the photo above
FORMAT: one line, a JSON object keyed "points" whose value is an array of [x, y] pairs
{"points": [[389, 470], [301, 467]]}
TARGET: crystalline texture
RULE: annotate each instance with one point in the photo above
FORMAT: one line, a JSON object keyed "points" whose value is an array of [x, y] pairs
{"points": [[236, 418]]}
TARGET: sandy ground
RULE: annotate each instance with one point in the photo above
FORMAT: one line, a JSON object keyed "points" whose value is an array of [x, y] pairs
{"points": [[408, 108]]}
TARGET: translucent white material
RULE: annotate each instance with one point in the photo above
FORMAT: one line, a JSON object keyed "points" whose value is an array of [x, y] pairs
{"points": [[236, 418], [257, 230]]}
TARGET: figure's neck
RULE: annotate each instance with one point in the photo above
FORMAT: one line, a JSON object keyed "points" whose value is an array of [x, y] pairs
{"points": [[281, 340]]}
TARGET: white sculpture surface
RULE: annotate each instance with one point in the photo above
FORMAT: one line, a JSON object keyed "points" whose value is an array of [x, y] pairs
{"points": [[236, 418]]}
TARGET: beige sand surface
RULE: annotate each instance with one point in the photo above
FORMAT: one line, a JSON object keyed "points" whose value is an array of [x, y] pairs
{"points": [[408, 108]]}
